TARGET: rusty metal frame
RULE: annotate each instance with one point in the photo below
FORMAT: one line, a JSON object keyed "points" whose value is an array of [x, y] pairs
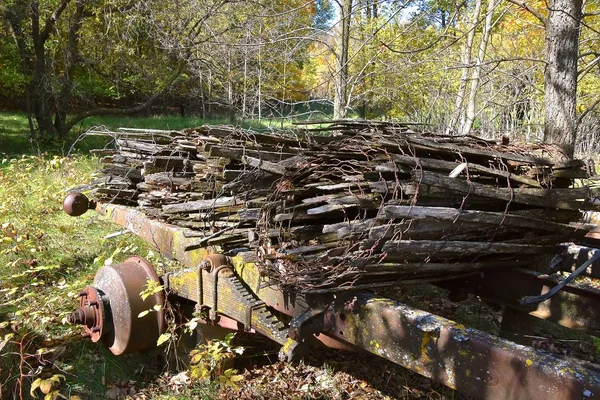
{"points": [[575, 306], [471, 361], [465, 359]]}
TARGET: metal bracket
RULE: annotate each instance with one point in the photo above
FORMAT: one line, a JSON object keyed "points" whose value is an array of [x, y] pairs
{"points": [[293, 350], [200, 293], [249, 310], [212, 314], [306, 324]]}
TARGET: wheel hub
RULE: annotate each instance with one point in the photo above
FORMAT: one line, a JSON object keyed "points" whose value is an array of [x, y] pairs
{"points": [[110, 309]]}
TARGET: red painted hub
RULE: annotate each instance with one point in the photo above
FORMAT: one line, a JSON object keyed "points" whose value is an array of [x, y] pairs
{"points": [[90, 314]]}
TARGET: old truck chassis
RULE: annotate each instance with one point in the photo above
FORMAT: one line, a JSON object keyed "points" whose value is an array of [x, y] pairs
{"points": [[232, 294]]}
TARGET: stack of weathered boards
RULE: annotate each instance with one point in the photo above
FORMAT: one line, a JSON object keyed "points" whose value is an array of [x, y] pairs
{"points": [[354, 203]]}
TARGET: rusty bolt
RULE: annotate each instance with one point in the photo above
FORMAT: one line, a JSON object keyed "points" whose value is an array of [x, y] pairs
{"points": [[205, 265], [83, 316]]}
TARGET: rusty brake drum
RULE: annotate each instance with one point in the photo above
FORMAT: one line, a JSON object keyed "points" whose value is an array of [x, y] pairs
{"points": [[110, 308]]}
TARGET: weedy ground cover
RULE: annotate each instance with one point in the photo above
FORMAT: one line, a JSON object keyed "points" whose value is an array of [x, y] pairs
{"points": [[46, 257]]}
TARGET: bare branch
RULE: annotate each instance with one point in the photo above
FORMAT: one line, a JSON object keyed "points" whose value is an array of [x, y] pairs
{"points": [[588, 110], [123, 111], [52, 19], [588, 68], [498, 61], [533, 11]]}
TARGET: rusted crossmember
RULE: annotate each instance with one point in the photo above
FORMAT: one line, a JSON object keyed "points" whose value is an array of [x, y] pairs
{"points": [[575, 306], [468, 360]]}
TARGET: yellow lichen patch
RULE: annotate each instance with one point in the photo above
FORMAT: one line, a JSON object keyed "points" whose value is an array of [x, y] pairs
{"points": [[287, 345], [247, 271], [178, 245], [185, 285], [424, 356], [374, 345], [529, 362]]}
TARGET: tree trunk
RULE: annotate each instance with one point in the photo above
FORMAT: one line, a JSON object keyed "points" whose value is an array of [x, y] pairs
{"points": [[476, 74], [562, 48], [245, 81], [230, 98], [341, 74], [42, 100], [202, 95], [39, 90], [259, 86], [209, 94], [465, 57]]}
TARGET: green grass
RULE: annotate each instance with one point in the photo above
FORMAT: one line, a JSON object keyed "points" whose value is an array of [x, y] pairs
{"points": [[174, 122], [14, 134], [14, 131], [46, 257]]}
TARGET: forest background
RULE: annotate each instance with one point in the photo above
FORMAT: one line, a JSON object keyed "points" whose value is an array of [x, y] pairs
{"points": [[524, 69], [460, 67]]}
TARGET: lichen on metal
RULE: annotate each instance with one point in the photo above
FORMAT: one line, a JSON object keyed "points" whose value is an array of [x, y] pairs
{"points": [[224, 294], [466, 359], [169, 239]]}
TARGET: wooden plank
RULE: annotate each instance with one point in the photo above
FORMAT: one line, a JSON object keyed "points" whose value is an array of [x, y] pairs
{"points": [[430, 144], [238, 153], [201, 205], [362, 201], [549, 198], [484, 217], [327, 208], [433, 164], [263, 165], [321, 199], [461, 248]]}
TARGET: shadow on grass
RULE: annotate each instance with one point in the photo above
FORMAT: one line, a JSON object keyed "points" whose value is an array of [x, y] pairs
{"points": [[90, 371], [95, 370]]}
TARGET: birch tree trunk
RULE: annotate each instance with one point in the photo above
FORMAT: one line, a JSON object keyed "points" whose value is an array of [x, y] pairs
{"points": [[458, 114], [260, 71], [340, 98], [562, 48], [476, 74], [230, 99]]}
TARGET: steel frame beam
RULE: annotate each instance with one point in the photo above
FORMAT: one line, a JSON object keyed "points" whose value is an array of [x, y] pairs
{"points": [[471, 361]]}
